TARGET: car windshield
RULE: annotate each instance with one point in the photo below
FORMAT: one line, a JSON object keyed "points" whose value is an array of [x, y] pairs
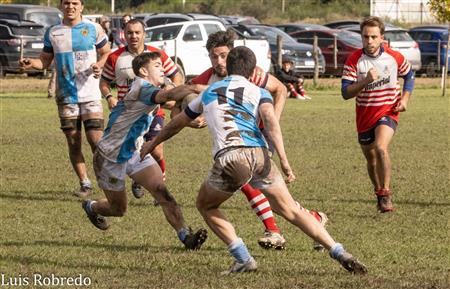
{"points": [[163, 33], [271, 34], [397, 35], [28, 30], [352, 38], [45, 18]]}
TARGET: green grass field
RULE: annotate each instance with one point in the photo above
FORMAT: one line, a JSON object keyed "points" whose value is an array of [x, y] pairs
{"points": [[44, 230]]}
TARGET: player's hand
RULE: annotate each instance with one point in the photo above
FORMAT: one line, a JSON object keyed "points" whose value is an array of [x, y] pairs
{"points": [[401, 106], [286, 168], [147, 148], [199, 122], [96, 70], [372, 75], [25, 63], [112, 102]]}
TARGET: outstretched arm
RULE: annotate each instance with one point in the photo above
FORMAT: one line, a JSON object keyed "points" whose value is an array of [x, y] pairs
{"points": [[177, 93], [168, 131], [279, 94], [43, 62], [272, 126]]}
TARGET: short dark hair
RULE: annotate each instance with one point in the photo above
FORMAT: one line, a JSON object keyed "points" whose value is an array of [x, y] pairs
{"points": [[241, 61], [221, 38], [125, 15], [372, 21], [142, 59], [135, 21], [82, 2]]}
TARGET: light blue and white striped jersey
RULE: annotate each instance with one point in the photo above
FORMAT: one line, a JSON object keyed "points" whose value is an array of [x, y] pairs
{"points": [[74, 49], [129, 121], [231, 111]]}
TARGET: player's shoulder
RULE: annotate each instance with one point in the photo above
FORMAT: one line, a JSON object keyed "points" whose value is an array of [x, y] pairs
{"points": [[397, 55], [204, 77], [355, 56]]}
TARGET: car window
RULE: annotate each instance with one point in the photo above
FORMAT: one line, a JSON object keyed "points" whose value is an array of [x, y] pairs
{"points": [[290, 29], [212, 28], [12, 16], [351, 38], [325, 40], [28, 31], [163, 20], [45, 18], [397, 36], [306, 37], [193, 33], [163, 33], [271, 34], [4, 32]]}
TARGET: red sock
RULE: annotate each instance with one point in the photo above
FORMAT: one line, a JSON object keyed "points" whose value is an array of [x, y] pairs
{"points": [[294, 93], [315, 214], [162, 165], [261, 207]]}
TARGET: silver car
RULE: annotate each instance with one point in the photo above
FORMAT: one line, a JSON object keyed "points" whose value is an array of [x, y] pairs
{"points": [[400, 40]]}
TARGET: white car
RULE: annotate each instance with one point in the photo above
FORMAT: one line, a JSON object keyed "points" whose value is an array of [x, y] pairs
{"points": [[186, 42], [400, 40]]}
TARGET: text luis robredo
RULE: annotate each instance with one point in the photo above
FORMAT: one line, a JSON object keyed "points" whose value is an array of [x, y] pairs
{"points": [[38, 279]]}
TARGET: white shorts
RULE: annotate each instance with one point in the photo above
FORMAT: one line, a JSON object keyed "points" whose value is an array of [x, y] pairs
{"points": [[86, 110], [111, 176]]}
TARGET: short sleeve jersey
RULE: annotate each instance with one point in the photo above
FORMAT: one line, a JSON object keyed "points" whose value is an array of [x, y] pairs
{"points": [[378, 98], [129, 121], [231, 111], [118, 68], [74, 49]]}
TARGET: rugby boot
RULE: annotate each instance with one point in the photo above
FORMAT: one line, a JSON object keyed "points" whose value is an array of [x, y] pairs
{"points": [[272, 240], [194, 241], [384, 201], [237, 267], [97, 220]]}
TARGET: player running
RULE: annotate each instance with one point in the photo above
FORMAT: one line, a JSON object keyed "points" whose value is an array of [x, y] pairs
{"points": [[117, 156], [232, 108], [371, 75]]}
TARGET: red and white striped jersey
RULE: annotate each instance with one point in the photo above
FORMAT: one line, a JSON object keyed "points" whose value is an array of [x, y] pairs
{"points": [[380, 97], [118, 68]]}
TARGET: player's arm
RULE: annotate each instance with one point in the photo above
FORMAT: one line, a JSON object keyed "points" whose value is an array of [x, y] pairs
{"points": [[350, 89], [168, 131], [272, 126], [176, 93], [105, 88], [177, 79], [103, 53], [279, 94], [43, 62], [408, 87]]}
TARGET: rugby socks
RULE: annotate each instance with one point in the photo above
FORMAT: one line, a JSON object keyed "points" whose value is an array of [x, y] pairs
{"points": [[261, 207], [337, 251], [162, 165], [313, 213], [182, 233], [86, 184], [89, 206], [291, 88], [239, 251]]}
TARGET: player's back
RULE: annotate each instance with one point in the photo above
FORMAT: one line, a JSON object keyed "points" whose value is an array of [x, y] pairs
{"points": [[231, 111]]}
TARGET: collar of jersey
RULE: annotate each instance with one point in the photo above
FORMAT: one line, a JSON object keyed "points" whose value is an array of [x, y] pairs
{"points": [[376, 56], [236, 76]]}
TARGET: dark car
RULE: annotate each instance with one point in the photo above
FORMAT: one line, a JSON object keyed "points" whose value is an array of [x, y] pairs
{"points": [[301, 54], [347, 42], [13, 36], [432, 42], [44, 15], [340, 24], [294, 27]]}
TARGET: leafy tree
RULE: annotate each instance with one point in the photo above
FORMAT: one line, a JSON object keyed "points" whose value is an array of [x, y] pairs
{"points": [[440, 9]]}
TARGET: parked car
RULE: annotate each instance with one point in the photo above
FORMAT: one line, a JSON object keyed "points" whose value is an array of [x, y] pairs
{"points": [[244, 20], [157, 19], [13, 36], [398, 39], [341, 23], [290, 28], [432, 42], [44, 15], [300, 53], [347, 42], [187, 40]]}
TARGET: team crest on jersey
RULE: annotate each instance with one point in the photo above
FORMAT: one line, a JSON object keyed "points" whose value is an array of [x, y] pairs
{"points": [[386, 70], [84, 32]]}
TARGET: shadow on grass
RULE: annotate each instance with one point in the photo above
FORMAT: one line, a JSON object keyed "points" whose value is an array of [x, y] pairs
{"points": [[373, 201], [59, 196]]}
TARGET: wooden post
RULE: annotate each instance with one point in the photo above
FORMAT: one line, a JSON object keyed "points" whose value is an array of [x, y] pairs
{"points": [[444, 86], [279, 48], [316, 60], [175, 51], [439, 54]]}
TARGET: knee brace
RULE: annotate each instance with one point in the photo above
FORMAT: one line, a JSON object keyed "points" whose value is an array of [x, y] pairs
{"points": [[93, 124]]}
